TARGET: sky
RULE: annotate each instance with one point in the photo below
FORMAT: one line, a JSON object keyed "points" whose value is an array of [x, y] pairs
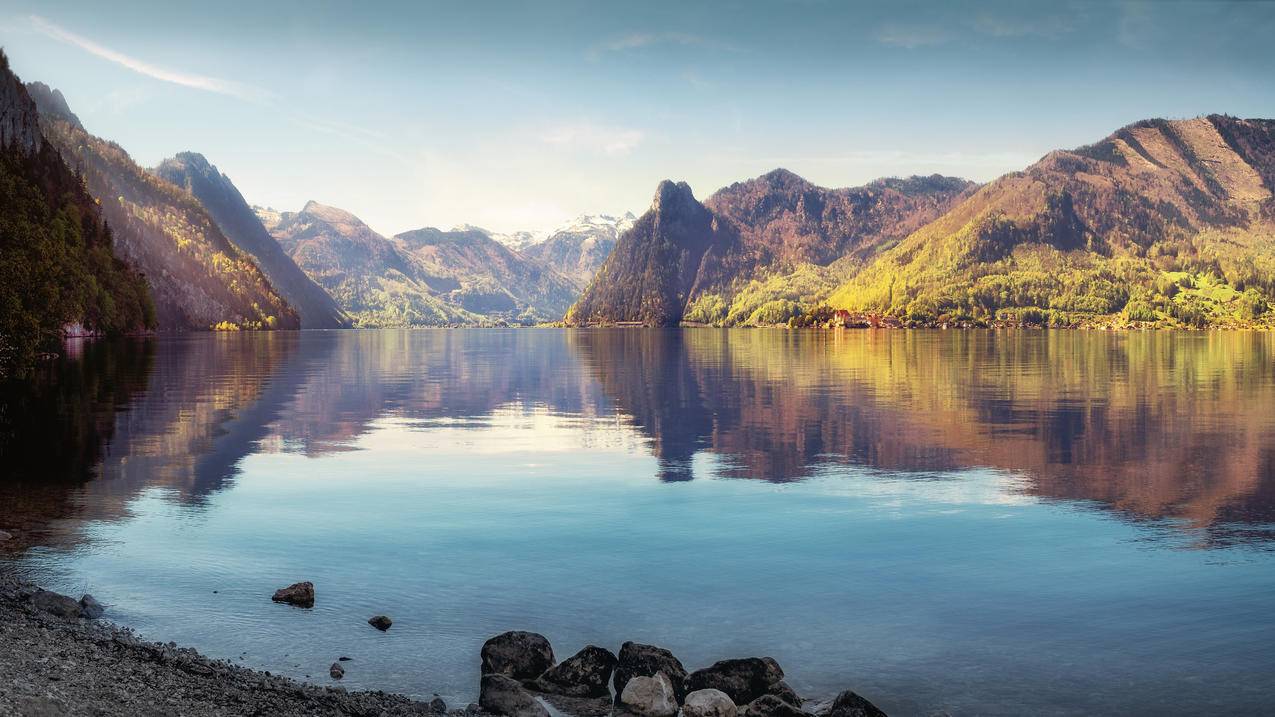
{"points": [[521, 115]]}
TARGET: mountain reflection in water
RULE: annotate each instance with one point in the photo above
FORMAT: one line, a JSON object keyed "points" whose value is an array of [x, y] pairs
{"points": [[1151, 425]]}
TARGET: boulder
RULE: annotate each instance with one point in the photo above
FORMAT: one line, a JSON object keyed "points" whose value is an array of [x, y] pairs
{"points": [[503, 695], [90, 608], [584, 674], [772, 706], [744, 680], [850, 704], [517, 654], [638, 660], [299, 594], [380, 622], [708, 703], [437, 705], [336, 671], [57, 604], [649, 696]]}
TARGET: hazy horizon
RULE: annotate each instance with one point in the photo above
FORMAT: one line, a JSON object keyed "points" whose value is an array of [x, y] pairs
{"points": [[519, 117]]}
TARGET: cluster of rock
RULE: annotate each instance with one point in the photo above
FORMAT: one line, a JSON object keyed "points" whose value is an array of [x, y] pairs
{"points": [[519, 674]]}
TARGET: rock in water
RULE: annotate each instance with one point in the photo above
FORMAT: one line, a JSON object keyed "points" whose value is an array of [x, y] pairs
{"points": [[503, 695], [56, 604], [380, 622], [641, 660], [517, 654], [743, 680], [849, 704], [708, 703], [584, 674], [772, 706], [437, 705], [90, 607], [336, 671], [649, 696], [5, 536], [299, 594]]}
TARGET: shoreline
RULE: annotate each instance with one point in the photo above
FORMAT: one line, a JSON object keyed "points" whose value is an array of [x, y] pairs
{"points": [[59, 666]]}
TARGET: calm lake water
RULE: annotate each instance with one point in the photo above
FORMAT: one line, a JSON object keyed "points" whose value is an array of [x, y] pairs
{"points": [[970, 522]]}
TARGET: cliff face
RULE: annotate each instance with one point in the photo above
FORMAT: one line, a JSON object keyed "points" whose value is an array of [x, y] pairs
{"points": [[656, 264], [235, 219], [19, 119], [198, 277]]}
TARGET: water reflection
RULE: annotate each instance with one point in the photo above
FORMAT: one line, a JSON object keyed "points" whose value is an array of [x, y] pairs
{"points": [[1152, 426]]}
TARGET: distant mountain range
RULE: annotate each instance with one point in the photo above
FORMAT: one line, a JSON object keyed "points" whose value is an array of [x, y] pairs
{"points": [[1165, 223], [1168, 223]]}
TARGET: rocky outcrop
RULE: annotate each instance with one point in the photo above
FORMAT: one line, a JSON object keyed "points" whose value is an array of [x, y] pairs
{"points": [[708, 703], [772, 706], [503, 695], [584, 674], [649, 697], [850, 704], [638, 660], [521, 655], [743, 680], [298, 594]]}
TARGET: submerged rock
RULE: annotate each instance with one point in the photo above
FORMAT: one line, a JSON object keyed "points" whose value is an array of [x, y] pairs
{"points": [[336, 671], [57, 604], [380, 622], [517, 654], [649, 696], [772, 706], [708, 703], [638, 660], [299, 594], [503, 695], [584, 674], [850, 704], [743, 680], [90, 608]]}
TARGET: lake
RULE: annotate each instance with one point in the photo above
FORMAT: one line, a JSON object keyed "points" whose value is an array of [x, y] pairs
{"points": [[970, 522]]}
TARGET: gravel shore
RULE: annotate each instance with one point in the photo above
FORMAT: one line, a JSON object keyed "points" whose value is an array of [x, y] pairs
{"points": [[56, 666]]}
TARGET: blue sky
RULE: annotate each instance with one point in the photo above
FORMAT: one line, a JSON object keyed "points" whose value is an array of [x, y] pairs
{"points": [[520, 115]]}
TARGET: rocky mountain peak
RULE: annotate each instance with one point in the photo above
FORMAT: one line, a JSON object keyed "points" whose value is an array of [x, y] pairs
{"points": [[672, 196]]}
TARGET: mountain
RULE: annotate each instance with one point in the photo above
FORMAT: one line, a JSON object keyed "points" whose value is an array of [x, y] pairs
{"points": [[514, 240], [367, 275], [491, 279], [577, 249], [57, 261], [756, 252], [1166, 222], [237, 221], [657, 264], [198, 278]]}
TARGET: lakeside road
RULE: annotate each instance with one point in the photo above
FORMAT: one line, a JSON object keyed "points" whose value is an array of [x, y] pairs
{"points": [[57, 666]]}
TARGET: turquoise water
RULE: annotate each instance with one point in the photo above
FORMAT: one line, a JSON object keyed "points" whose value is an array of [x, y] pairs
{"points": [[969, 522]]}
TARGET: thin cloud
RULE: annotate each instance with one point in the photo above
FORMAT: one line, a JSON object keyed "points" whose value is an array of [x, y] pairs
{"points": [[912, 36], [643, 40], [1046, 26], [198, 82], [598, 139]]}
